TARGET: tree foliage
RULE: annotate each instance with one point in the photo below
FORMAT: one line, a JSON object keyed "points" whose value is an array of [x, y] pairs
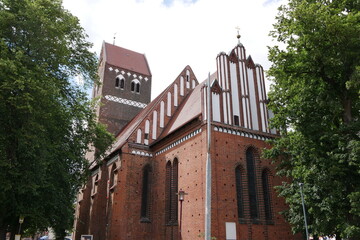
{"points": [[315, 99], [46, 121]]}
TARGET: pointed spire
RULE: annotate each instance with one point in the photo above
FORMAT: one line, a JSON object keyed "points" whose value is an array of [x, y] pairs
{"points": [[114, 38], [238, 34]]}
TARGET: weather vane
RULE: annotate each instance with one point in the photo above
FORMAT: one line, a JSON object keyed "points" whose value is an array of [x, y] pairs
{"points": [[114, 38], [238, 34]]}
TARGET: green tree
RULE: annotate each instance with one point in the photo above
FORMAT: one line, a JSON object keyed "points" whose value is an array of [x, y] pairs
{"points": [[315, 98], [46, 121]]}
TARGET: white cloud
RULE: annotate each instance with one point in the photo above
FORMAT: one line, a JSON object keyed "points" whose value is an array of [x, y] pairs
{"points": [[185, 32]]}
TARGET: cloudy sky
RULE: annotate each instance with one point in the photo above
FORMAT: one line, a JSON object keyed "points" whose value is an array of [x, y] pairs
{"points": [[176, 33]]}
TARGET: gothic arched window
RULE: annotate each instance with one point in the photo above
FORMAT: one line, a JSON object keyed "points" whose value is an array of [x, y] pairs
{"points": [[112, 177], [120, 82], [145, 197], [239, 191], [135, 86], [266, 194], [171, 205], [251, 176]]}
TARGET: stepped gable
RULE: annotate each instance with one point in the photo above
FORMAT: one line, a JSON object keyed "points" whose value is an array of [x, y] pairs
{"points": [[192, 107], [126, 59], [128, 134]]}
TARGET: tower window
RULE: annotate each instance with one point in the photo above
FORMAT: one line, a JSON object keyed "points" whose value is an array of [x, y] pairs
{"points": [[120, 82], [135, 86]]}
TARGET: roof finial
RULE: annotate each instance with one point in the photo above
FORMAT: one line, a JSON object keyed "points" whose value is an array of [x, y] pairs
{"points": [[238, 34], [114, 38]]}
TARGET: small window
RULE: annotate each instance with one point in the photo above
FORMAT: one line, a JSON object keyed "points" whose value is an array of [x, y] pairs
{"points": [[236, 120], [132, 86], [122, 83], [135, 86], [146, 136]]}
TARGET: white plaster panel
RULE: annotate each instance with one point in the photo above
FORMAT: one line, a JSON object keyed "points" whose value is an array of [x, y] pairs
{"points": [[182, 86], [138, 136], [154, 130], [162, 113], [253, 103], [175, 95], [168, 110], [225, 109], [216, 107], [205, 102], [234, 90], [226, 73], [245, 112]]}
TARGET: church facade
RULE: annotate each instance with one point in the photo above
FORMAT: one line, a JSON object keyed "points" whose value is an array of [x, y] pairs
{"points": [[161, 150]]}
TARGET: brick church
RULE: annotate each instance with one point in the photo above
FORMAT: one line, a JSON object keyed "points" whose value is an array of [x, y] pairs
{"points": [[152, 183]]}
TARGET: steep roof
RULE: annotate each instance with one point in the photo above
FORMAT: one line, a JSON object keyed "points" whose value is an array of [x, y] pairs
{"points": [[126, 59], [188, 108]]}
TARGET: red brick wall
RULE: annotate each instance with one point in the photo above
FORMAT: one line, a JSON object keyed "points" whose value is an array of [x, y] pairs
{"points": [[228, 151]]}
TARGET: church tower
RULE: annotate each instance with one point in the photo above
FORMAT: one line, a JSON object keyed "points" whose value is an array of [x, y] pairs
{"points": [[125, 87]]}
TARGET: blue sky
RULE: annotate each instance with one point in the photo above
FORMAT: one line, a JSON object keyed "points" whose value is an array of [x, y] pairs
{"points": [[176, 33]]}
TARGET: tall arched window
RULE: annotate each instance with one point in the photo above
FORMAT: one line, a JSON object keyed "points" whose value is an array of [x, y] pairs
{"points": [[120, 82], [147, 131], [251, 176], [239, 191], [135, 86], [145, 196], [266, 194], [112, 176], [168, 201], [171, 205]]}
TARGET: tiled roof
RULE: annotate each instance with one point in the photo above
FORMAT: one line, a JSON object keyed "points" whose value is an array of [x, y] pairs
{"points": [[187, 110], [190, 110], [127, 59]]}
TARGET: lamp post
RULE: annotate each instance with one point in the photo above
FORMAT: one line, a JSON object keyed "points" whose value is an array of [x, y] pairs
{"points": [[181, 195], [303, 206]]}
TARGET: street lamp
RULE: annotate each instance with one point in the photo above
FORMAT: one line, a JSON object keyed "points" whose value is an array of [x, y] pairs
{"points": [[181, 195], [303, 206]]}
